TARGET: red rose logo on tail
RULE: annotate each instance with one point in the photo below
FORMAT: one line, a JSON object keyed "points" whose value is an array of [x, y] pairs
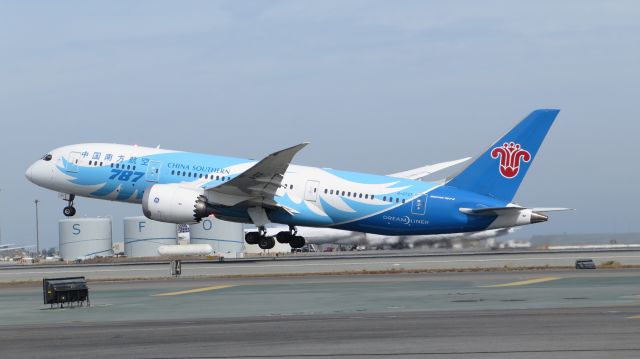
{"points": [[510, 156]]}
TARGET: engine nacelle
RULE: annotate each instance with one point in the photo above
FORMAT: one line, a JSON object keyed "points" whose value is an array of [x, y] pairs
{"points": [[174, 204]]}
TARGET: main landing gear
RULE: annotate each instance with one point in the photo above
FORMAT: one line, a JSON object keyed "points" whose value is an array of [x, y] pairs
{"points": [[260, 238], [265, 242], [291, 237], [69, 210]]}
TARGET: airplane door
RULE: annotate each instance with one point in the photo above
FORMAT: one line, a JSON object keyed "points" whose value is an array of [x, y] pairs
{"points": [[311, 191], [419, 206], [72, 163], [153, 171]]}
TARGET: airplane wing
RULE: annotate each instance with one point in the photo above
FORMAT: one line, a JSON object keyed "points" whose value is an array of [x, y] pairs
{"points": [[259, 183], [427, 170]]}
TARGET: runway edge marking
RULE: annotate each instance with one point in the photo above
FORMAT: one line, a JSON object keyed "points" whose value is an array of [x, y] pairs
{"points": [[522, 282], [196, 290]]}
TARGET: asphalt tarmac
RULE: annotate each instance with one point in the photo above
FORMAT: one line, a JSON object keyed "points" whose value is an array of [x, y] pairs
{"points": [[321, 264], [535, 314]]}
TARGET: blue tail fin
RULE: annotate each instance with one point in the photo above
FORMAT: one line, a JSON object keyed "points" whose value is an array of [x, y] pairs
{"points": [[499, 171]]}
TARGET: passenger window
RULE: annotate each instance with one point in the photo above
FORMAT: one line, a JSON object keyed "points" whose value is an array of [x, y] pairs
{"points": [[371, 196], [403, 201], [366, 196], [397, 200], [290, 186], [348, 194], [112, 165], [331, 192], [189, 174], [128, 167], [100, 164], [172, 172], [89, 163], [360, 195], [384, 198], [343, 193], [391, 199], [134, 168]]}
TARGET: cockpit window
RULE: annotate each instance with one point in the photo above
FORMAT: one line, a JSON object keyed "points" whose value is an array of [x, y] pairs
{"points": [[47, 157]]}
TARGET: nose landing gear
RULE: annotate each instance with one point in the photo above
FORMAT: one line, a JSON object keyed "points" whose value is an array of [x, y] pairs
{"points": [[69, 210]]}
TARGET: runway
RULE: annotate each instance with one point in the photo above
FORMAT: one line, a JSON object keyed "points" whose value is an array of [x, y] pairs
{"points": [[527, 314], [586, 333], [321, 264]]}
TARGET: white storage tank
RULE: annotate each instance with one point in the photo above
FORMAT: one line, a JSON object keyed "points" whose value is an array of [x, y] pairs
{"points": [[224, 237], [82, 238], [142, 236]]}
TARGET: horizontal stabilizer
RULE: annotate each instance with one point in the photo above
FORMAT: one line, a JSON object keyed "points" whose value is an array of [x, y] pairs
{"points": [[552, 209], [512, 216], [491, 211], [498, 211]]}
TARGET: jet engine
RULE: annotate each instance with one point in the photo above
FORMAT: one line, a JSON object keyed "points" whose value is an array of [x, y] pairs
{"points": [[175, 204]]}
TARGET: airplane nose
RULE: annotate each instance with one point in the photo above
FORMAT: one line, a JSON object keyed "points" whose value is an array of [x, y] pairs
{"points": [[29, 173]]}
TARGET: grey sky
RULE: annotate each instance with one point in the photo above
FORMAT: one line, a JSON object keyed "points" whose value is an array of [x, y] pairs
{"points": [[374, 86]]}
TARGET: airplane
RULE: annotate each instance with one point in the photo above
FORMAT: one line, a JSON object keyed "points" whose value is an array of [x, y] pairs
{"points": [[183, 187], [323, 236], [10, 247]]}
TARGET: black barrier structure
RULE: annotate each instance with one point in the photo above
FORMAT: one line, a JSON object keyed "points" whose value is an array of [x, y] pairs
{"points": [[61, 291]]}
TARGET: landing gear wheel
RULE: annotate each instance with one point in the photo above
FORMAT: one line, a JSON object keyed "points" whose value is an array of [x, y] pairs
{"points": [[266, 242], [297, 242], [287, 236], [69, 211], [252, 237], [283, 237]]}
